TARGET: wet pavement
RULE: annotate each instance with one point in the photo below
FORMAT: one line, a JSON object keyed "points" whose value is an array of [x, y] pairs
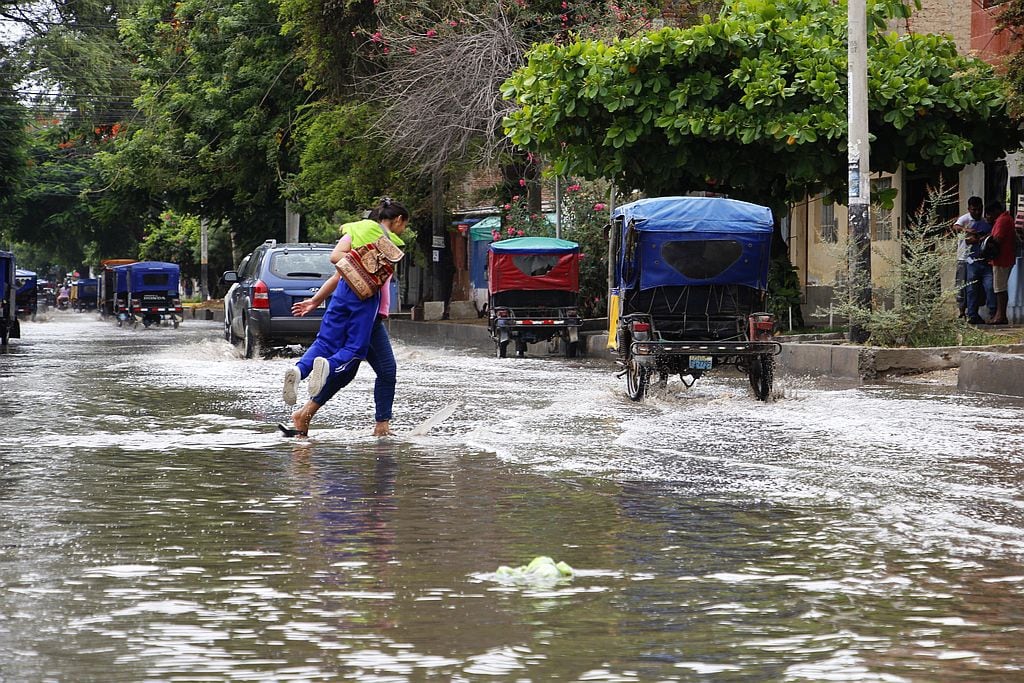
{"points": [[155, 527]]}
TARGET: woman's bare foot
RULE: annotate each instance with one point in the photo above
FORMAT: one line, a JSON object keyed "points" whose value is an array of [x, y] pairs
{"points": [[382, 428], [301, 419]]}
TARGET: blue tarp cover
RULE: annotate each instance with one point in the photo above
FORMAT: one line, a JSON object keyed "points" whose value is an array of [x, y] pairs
{"points": [[534, 245], [140, 269], [665, 225]]}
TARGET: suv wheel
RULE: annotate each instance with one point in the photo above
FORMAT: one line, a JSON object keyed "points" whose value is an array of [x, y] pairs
{"points": [[249, 342]]}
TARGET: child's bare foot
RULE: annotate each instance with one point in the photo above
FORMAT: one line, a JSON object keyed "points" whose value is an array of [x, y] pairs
{"points": [[301, 419], [382, 428]]}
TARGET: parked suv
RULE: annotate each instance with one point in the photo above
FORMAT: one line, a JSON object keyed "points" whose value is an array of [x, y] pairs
{"points": [[258, 306]]}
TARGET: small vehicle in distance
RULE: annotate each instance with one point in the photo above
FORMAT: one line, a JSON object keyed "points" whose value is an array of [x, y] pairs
{"points": [[258, 306], [83, 294], [533, 286], [9, 325], [691, 281], [27, 294], [153, 297]]}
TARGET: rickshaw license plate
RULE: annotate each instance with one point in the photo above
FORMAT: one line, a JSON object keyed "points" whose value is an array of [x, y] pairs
{"points": [[700, 362]]}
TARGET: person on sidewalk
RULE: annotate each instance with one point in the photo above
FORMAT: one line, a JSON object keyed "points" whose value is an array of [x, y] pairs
{"points": [[962, 227], [979, 274], [1004, 233], [351, 330]]}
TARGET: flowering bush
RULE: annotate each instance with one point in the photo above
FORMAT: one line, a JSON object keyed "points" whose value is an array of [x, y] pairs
{"points": [[585, 215], [518, 221]]}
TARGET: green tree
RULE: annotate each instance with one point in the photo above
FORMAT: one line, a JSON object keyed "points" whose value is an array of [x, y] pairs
{"points": [[174, 239], [753, 104], [219, 94]]}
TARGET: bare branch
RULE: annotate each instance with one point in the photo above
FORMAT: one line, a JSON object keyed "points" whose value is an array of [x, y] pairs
{"points": [[441, 98]]}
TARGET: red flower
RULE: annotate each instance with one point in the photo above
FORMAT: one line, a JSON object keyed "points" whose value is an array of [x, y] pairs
{"points": [[515, 198], [431, 33], [508, 206], [377, 37], [599, 207], [522, 182]]}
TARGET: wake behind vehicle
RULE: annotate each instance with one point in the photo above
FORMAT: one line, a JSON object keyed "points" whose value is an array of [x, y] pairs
{"points": [[533, 285], [9, 326], [27, 294], [258, 306], [147, 292], [691, 278]]}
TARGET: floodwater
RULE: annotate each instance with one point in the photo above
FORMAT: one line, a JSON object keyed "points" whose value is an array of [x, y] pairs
{"points": [[155, 527]]}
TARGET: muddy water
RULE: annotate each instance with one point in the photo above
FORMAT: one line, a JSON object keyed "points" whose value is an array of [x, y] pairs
{"points": [[154, 527]]}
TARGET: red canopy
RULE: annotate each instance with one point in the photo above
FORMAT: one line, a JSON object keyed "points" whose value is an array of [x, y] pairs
{"points": [[532, 272]]}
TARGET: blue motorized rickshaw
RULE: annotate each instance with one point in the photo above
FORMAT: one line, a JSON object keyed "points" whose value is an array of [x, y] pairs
{"points": [[27, 294], [150, 291], [9, 326], [691, 280], [533, 284], [84, 294]]}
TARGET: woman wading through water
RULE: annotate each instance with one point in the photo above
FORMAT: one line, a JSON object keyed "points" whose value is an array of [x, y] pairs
{"points": [[352, 329]]}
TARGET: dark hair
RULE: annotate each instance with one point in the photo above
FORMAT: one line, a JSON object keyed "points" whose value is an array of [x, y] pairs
{"points": [[975, 201], [994, 208], [388, 209]]}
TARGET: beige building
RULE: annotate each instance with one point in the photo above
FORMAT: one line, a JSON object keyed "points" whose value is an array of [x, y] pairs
{"points": [[817, 229]]}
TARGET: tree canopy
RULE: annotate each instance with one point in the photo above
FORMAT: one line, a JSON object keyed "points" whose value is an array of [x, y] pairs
{"points": [[754, 104]]}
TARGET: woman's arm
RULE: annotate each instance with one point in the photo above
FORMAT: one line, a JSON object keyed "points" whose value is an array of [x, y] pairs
{"points": [[344, 245], [306, 305]]}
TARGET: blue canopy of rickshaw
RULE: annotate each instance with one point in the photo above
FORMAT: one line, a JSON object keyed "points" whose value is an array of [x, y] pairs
{"points": [[28, 278], [660, 221], [141, 269], [534, 245]]}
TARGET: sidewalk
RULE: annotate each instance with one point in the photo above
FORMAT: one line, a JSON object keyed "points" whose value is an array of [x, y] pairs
{"points": [[985, 369]]}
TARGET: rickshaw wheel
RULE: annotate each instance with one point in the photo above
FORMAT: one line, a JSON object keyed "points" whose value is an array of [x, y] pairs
{"points": [[637, 379], [501, 348], [762, 369]]}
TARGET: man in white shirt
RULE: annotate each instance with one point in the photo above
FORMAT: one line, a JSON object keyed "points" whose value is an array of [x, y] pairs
{"points": [[962, 227]]}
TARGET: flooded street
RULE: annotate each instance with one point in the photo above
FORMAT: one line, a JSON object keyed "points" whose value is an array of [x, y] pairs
{"points": [[154, 526]]}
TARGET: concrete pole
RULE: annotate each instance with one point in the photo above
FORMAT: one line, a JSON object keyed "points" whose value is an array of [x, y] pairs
{"points": [[859, 163], [611, 241], [291, 223], [204, 258]]}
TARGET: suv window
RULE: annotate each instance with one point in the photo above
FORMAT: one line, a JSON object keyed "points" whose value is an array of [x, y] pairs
{"points": [[302, 264]]}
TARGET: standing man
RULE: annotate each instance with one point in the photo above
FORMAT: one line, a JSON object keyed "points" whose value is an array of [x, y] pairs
{"points": [[962, 227], [1004, 233]]}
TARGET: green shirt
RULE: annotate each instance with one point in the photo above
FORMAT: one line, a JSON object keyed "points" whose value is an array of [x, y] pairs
{"points": [[368, 231]]}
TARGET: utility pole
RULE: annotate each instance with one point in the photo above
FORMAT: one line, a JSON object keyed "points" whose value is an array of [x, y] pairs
{"points": [[859, 167], [204, 258], [291, 223]]}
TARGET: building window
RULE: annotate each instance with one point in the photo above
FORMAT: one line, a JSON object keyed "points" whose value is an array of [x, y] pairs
{"points": [[882, 219], [827, 221]]}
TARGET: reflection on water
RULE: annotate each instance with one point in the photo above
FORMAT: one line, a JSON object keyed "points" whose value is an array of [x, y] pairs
{"points": [[155, 527]]}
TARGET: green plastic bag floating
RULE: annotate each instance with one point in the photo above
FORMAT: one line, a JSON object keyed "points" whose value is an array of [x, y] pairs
{"points": [[541, 569]]}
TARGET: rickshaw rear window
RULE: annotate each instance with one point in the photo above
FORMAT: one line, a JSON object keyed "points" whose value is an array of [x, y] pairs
{"points": [[155, 279], [702, 259], [304, 265], [535, 265]]}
